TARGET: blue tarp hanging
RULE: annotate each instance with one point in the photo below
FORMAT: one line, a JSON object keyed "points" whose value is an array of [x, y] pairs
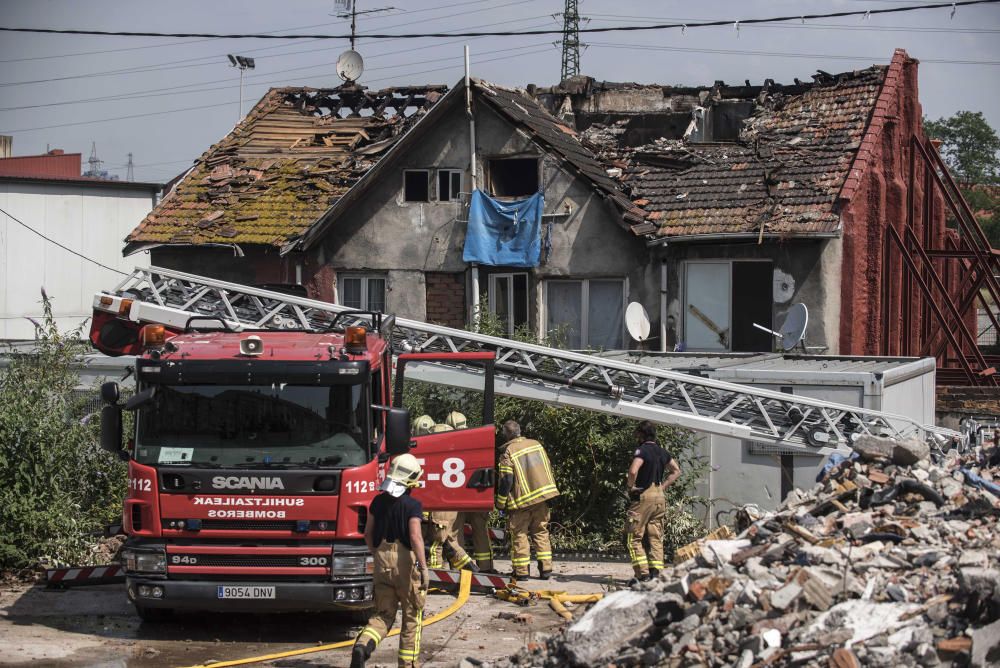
{"points": [[504, 233]]}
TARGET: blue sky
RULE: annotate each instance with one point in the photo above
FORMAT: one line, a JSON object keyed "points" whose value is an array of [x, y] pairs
{"points": [[166, 100]]}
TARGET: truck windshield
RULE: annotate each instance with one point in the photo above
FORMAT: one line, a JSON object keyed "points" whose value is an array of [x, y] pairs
{"points": [[254, 426]]}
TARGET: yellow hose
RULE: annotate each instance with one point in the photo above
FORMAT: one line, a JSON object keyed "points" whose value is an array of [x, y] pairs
{"points": [[555, 598], [464, 587]]}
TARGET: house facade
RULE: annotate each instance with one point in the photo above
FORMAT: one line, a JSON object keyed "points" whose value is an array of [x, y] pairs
{"points": [[56, 205]]}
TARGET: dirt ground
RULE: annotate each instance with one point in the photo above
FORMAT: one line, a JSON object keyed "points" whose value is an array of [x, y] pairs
{"points": [[96, 626]]}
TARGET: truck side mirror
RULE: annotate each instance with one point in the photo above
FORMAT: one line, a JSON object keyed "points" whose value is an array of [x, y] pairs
{"points": [[110, 393], [111, 430], [397, 431]]}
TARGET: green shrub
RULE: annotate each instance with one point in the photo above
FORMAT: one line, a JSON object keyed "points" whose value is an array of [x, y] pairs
{"points": [[57, 486]]}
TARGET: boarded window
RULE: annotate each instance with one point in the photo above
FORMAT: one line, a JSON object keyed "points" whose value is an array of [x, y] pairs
{"points": [[416, 185], [449, 185], [513, 177]]}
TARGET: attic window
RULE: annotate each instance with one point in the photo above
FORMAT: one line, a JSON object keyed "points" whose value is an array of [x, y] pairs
{"points": [[416, 185], [513, 177]]}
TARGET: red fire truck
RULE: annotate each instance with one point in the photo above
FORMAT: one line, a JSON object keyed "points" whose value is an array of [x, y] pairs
{"points": [[255, 454]]}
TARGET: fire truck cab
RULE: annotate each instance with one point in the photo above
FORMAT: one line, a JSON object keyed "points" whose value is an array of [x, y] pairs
{"points": [[253, 457]]}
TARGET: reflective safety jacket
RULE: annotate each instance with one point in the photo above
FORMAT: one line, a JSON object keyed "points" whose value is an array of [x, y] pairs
{"points": [[525, 477]]}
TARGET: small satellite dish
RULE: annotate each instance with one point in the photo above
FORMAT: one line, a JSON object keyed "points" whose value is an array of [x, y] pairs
{"points": [[794, 328], [350, 65], [637, 322]]}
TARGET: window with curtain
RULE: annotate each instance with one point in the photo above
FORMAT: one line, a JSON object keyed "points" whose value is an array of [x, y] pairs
{"points": [[362, 291], [588, 313]]}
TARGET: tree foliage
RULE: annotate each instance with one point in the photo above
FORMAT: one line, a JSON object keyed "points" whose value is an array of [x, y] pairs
{"points": [[56, 485], [969, 146]]}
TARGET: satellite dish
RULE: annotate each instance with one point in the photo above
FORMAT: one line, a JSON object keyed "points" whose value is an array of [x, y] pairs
{"points": [[637, 322], [350, 65], [794, 328]]}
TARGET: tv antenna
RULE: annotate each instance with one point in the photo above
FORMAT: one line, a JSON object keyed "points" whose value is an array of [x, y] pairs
{"points": [[348, 9], [243, 63], [793, 330]]}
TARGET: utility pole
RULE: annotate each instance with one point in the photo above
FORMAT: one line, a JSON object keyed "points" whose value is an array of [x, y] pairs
{"points": [[570, 40], [130, 169], [94, 162], [244, 64]]}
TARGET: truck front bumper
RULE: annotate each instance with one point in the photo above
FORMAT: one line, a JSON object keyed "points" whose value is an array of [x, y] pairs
{"points": [[353, 595]]}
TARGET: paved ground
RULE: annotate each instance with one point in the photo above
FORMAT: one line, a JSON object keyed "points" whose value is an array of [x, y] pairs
{"points": [[95, 626]]}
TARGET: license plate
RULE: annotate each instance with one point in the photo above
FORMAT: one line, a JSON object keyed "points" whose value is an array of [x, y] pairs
{"points": [[246, 592]]}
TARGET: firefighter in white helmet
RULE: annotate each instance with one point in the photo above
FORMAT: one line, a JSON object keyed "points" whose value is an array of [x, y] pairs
{"points": [[401, 577]]}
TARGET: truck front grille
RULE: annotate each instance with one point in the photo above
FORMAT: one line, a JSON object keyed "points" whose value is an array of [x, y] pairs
{"points": [[248, 560]]}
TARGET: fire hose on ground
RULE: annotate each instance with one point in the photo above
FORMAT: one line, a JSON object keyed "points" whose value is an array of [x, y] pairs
{"points": [[465, 586], [524, 597]]}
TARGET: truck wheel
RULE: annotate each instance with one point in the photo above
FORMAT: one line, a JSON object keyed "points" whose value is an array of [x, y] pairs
{"points": [[153, 615]]}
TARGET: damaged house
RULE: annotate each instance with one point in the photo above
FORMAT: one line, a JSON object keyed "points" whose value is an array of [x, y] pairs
{"points": [[825, 192], [363, 198], [716, 208]]}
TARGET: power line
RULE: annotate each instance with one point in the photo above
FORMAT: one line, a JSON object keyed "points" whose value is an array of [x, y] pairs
{"points": [[222, 104], [777, 54], [629, 28], [210, 60], [805, 26], [53, 241]]}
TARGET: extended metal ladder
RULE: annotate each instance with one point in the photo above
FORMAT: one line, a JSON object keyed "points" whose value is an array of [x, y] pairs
{"points": [[538, 372]]}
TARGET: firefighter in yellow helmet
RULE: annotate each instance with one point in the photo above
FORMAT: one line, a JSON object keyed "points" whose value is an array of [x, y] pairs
{"points": [[482, 551], [525, 484], [446, 531], [401, 576]]}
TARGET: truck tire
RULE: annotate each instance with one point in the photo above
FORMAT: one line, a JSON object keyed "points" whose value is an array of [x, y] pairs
{"points": [[153, 615]]}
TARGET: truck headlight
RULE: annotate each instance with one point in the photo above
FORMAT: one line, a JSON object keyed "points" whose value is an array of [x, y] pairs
{"points": [[145, 561], [352, 564]]}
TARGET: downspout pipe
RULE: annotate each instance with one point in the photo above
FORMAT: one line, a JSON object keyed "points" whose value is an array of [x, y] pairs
{"points": [[663, 305], [474, 308]]}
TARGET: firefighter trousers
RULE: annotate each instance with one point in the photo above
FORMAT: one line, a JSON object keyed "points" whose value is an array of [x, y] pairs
{"points": [[529, 527], [397, 585], [645, 519], [482, 550], [446, 536]]}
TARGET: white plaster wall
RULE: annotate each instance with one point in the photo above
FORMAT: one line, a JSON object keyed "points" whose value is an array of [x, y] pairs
{"points": [[91, 220]]}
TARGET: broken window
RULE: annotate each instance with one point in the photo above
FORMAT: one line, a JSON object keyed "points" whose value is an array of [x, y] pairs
{"points": [[722, 301], [364, 292], [449, 185], [508, 300], [513, 177], [589, 313], [416, 185]]}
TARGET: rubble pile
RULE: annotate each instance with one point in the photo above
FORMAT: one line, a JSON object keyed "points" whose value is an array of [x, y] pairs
{"points": [[892, 560]]}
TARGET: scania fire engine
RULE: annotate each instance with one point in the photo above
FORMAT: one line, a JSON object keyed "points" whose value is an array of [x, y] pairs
{"points": [[254, 455], [264, 423]]}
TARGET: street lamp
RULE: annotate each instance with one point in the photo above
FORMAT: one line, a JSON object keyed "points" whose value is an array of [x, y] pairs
{"points": [[244, 64]]}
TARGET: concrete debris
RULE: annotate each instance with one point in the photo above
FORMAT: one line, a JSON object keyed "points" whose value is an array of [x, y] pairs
{"points": [[892, 560]]}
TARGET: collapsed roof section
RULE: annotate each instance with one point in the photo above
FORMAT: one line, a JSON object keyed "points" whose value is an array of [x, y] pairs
{"points": [[742, 161], [293, 156]]}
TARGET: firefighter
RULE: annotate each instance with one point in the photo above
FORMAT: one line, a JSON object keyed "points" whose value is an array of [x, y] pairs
{"points": [[648, 507], [482, 550], [446, 530], [401, 576], [525, 484]]}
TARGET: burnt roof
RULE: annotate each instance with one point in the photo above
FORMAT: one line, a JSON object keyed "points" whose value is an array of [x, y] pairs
{"points": [[782, 177], [293, 156]]}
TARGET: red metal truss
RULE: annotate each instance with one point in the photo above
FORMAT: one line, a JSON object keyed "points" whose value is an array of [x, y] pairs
{"points": [[937, 268]]}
